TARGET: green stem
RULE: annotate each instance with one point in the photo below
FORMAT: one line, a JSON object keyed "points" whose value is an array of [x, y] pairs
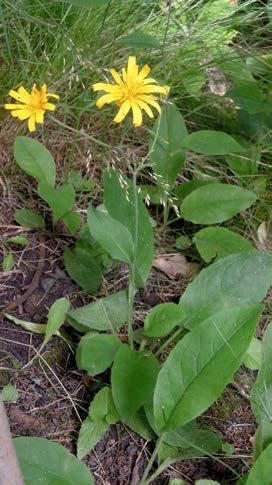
{"points": [[144, 480], [169, 340], [165, 464]]}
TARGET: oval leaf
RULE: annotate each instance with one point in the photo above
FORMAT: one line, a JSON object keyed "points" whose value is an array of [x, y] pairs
{"points": [[217, 242], [201, 365], [83, 269], [208, 142], [35, 159], [56, 317], [260, 473], [133, 379], [96, 352], [215, 203], [60, 200], [28, 218], [162, 319], [44, 459]]}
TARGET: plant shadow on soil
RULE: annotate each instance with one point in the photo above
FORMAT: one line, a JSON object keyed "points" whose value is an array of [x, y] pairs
{"points": [[53, 393]]}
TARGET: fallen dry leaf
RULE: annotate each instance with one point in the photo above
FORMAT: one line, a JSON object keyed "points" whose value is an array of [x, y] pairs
{"points": [[175, 264]]}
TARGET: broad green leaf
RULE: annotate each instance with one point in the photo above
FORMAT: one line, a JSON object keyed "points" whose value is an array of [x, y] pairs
{"points": [[183, 242], [107, 313], [262, 438], [88, 3], [250, 98], [28, 218], [18, 240], [90, 433], [253, 356], [56, 317], [238, 280], [167, 156], [208, 142], [60, 200], [133, 379], [8, 261], [190, 436], [217, 242], [46, 462], [102, 407], [245, 164], [162, 319], [9, 393], [35, 159], [215, 203], [83, 269], [140, 40], [113, 236], [181, 191], [261, 393], [201, 365], [260, 473], [39, 328], [95, 352], [125, 205], [139, 424], [72, 221]]}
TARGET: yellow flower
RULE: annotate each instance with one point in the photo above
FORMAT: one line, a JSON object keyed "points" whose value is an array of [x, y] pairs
{"points": [[132, 90], [33, 105]]}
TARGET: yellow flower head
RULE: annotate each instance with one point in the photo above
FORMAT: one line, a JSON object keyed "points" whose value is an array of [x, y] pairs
{"points": [[33, 105], [132, 90]]}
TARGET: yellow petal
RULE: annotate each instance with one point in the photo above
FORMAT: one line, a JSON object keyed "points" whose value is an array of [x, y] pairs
{"points": [[50, 106], [143, 72], [32, 123], [150, 100], [22, 114], [132, 68], [52, 95], [145, 107], [15, 106], [149, 80], [24, 94], [40, 115], [44, 88], [123, 111], [16, 96], [137, 115], [106, 99], [124, 74], [153, 89], [108, 88], [117, 78]]}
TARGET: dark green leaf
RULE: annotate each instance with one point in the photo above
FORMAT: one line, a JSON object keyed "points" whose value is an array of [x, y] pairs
{"points": [[95, 352], [261, 393], [72, 221], [107, 313], [250, 98], [215, 203], [42, 459], [133, 380], [162, 319], [139, 424], [60, 200], [167, 156], [237, 280], [208, 142], [246, 164], [89, 434], [217, 242], [111, 234], [140, 40], [201, 365], [183, 242], [56, 317], [83, 269], [35, 159], [28, 218], [181, 191]]}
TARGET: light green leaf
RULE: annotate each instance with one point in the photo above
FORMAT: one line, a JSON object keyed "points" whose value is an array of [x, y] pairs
{"points": [[228, 449], [39, 328], [56, 317], [122, 203], [245, 164], [72, 221], [162, 319], [206, 482], [133, 379], [35, 159], [177, 481], [201, 365], [190, 436], [28, 218], [261, 393], [60, 200], [181, 191], [95, 352], [167, 156], [90, 433], [228, 283], [102, 407], [262, 438], [253, 356], [217, 242], [208, 142], [215, 203], [107, 313], [9, 393], [260, 473], [18, 240], [42, 459], [83, 269], [8, 261], [139, 424], [111, 234], [140, 40]]}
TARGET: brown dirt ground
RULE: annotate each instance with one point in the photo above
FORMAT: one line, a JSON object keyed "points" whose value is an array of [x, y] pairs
{"points": [[54, 395]]}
